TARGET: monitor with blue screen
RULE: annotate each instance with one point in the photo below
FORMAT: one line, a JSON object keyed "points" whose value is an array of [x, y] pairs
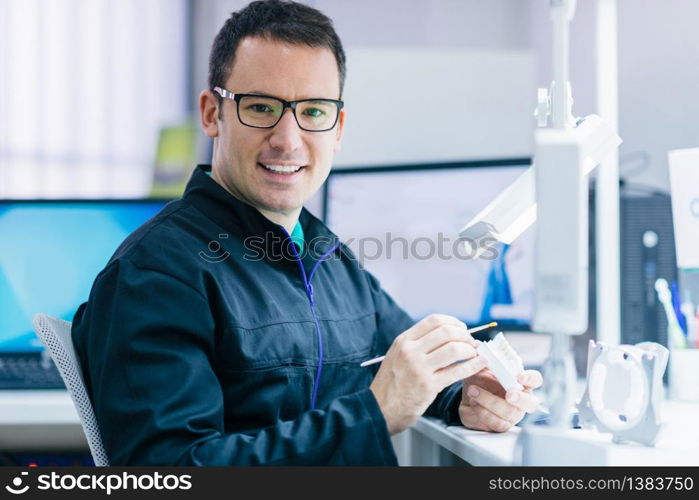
{"points": [[50, 253], [402, 224]]}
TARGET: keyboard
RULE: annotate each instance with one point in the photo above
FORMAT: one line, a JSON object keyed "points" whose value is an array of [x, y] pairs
{"points": [[29, 371]]}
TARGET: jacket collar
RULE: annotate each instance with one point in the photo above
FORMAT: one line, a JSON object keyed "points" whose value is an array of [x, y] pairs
{"points": [[245, 220]]}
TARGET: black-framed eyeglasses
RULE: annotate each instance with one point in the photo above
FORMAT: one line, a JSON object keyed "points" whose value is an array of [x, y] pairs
{"points": [[263, 111]]}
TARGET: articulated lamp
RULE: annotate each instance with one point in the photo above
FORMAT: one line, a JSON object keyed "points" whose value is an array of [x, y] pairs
{"points": [[553, 192], [515, 209]]}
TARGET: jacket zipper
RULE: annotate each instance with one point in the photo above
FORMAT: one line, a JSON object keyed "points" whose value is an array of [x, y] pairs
{"points": [[307, 281]]}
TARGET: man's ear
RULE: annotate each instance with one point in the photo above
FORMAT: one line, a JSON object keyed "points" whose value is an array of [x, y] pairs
{"points": [[208, 112], [340, 129]]}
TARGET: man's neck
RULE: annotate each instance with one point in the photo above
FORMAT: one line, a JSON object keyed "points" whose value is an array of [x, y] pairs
{"points": [[285, 219]]}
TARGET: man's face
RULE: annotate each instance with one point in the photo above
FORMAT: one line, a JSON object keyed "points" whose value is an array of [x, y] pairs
{"points": [[290, 72]]}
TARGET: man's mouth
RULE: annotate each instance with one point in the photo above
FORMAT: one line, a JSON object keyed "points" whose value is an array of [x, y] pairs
{"points": [[282, 169]]}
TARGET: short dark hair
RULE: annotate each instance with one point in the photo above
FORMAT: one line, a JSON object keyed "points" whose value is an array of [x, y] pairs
{"points": [[281, 20]]}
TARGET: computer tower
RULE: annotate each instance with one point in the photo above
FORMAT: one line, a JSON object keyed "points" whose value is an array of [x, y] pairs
{"points": [[647, 253]]}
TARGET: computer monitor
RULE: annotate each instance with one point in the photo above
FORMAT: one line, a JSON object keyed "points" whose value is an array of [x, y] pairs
{"points": [[402, 224], [50, 253]]}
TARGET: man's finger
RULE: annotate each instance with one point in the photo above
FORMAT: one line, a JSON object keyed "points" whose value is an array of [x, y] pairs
{"points": [[531, 379], [496, 405], [450, 353], [470, 419], [426, 325], [492, 421], [487, 380], [459, 371], [525, 401], [443, 334]]}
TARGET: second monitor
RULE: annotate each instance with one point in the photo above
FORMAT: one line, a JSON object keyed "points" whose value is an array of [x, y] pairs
{"points": [[402, 225]]}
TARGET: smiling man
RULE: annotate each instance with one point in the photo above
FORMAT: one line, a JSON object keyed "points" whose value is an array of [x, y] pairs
{"points": [[229, 358], [262, 155]]}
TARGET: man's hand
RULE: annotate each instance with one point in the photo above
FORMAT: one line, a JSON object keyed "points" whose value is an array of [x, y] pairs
{"points": [[485, 405], [421, 362]]}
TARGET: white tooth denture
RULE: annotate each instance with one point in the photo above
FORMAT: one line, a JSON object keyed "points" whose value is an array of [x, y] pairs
{"points": [[503, 361], [283, 169]]}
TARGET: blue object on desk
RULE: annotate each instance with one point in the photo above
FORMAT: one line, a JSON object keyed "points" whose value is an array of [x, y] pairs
{"points": [[545, 419], [674, 288]]}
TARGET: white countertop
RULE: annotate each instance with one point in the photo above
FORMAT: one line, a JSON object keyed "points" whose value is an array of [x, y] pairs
{"points": [[677, 444], [48, 420]]}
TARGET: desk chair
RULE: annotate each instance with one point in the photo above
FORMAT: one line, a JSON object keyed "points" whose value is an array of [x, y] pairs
{"points": [[56, 336]]}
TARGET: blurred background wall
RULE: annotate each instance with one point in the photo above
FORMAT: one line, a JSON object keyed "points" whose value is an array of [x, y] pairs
{"points": [[87, 86]]}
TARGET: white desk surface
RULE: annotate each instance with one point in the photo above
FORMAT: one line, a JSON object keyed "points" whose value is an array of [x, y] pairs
{"points": [[39, 420], [48, 420], [37, 407], [678, 442]]}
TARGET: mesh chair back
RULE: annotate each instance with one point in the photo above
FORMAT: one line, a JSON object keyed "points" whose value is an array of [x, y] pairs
{"points": [[56, 336]]}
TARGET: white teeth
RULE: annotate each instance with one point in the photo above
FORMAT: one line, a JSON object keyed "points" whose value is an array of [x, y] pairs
{"points": [[282, 169]]}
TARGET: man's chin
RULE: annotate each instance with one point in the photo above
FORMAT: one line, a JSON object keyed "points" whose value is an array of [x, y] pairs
{"points": [[282, 208]]}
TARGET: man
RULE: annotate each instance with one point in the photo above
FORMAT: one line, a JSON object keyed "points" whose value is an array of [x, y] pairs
{"points": [[250, 354]]}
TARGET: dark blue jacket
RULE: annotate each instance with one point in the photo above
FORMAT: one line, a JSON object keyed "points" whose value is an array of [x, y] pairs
{"points": [[199, 342]]}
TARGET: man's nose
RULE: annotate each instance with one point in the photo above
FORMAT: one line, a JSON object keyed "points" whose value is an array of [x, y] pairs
{"points": [[286, 135]]}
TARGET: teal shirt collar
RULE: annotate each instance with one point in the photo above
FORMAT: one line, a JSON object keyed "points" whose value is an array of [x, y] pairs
{"points": [[297, 236]]}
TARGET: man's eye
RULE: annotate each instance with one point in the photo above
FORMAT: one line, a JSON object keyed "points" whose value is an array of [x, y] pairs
{"points": [[314, 112], [260, 108]]}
